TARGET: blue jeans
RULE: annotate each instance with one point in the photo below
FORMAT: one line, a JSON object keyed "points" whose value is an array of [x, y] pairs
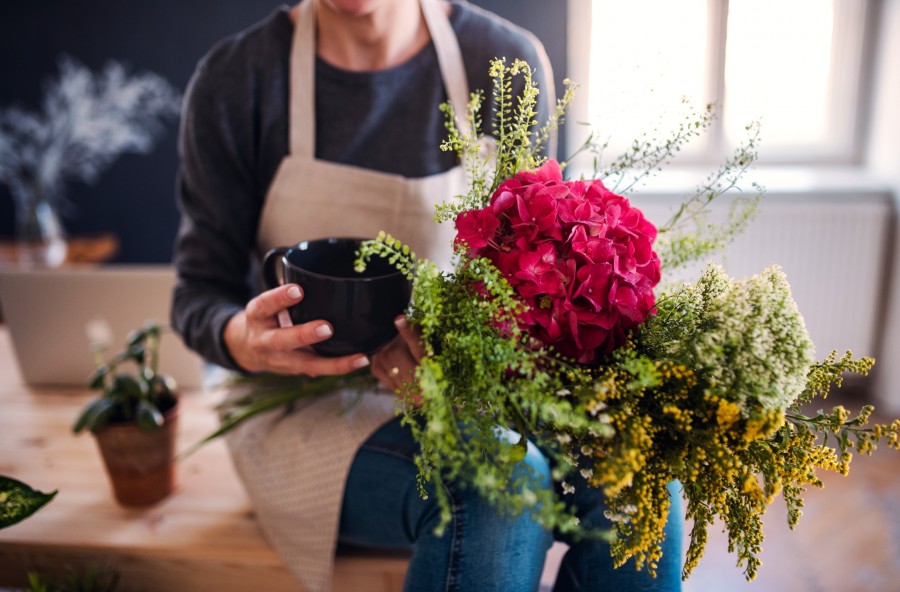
{"points": [[481, 551]]}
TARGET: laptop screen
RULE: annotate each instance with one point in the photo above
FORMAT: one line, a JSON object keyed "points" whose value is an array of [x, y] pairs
{"points": [[55, 315]]}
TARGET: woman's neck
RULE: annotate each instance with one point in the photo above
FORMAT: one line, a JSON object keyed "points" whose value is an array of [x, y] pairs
{"points": [[378, 35]]}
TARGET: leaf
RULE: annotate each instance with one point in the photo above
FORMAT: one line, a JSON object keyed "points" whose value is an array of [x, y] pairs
{"points": [[163, 386], [19, 501], [152, 329], [274, 392], [34, 581], [519, 450], [136, 337], [96, 379], [129, 386], [95, 416], [138, 353], [148, 416]]}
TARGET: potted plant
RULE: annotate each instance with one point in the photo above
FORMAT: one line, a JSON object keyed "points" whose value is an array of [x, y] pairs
{"points": [[134, 421]]}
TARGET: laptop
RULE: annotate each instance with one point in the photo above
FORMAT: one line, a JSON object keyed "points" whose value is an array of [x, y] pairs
{"points": [[54, 316]]}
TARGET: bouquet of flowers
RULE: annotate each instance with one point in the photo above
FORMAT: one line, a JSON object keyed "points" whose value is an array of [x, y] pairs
{"points": [[549, 325]]}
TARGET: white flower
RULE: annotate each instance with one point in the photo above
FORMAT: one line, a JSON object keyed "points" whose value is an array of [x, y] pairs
{"points": [[87, 121], [753, 344]]}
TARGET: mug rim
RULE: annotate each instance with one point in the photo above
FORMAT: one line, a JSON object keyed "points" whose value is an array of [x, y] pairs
{"points": [[298, 247]]}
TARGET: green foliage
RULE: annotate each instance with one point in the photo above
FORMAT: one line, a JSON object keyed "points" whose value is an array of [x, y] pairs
{"points": [[93, 579], [689, 235], [706, 392], [709, 394], [647, 153], [747, 336], [18, 501], [481, 374], [261, 393], [141, 395], [519, 146]]}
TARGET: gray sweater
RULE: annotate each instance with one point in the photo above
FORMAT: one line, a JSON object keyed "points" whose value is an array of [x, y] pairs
{"points": [[234, 134]]}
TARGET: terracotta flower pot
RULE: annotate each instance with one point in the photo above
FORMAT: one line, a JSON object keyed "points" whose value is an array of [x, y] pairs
{"points": [[140, 464]]}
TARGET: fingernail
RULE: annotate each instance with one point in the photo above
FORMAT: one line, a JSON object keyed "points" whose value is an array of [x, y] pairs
{"points": [[400, 322], [294, 292], [361, 362], [323, 331]]}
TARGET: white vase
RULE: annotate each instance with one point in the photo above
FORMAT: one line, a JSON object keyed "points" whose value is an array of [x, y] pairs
{"points": [[39, 232]]}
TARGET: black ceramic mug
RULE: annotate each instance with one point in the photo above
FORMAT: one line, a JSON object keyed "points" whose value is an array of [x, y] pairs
{"points": [[361, 307]]}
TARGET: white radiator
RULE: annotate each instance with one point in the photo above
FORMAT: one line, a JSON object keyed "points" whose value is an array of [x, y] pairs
{"points": [[835, 250]]}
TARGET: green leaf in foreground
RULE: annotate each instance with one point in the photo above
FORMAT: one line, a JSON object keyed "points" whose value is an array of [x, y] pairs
{"points": [[267, 392], [18, 501]]}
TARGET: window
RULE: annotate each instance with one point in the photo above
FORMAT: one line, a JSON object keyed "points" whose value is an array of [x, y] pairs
{"points": [[796, 66]]}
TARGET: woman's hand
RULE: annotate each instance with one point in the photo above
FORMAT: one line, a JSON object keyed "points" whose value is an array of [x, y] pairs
{"points": [[258, 343], [395, 363]]}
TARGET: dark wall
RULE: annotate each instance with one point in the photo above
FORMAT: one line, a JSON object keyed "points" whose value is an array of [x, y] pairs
{"points": [[135, 197]]}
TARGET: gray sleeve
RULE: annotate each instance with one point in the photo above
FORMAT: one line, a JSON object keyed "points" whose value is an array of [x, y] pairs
{"points": [[219, 204]]}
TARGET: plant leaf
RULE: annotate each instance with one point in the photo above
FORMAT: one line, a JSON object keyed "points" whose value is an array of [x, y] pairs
{"points": [[152, 329], [19, 501], [95, 381], [148, 416], [136, 337], [95, 415], [128, 386], [519, 450], [163, 386], [138, 353]]}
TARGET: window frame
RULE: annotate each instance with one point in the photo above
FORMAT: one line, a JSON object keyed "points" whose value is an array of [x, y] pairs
{"points": [[850, 85]]}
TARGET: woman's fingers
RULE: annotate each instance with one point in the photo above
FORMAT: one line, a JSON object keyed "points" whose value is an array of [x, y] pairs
{"points": [[411, 337], [264, 307], [287, 351], [285, 339], [309, 363], [258, 344], [394, 365]]}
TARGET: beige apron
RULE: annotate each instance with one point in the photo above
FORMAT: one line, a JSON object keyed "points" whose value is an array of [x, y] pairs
{"points": [[294, 466]]}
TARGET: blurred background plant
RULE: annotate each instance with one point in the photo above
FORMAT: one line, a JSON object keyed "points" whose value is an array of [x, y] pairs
{"points": [[91, 579], [86, 121]]}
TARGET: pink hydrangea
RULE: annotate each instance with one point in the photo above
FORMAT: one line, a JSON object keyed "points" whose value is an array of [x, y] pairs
{"points": [[580, 256]]}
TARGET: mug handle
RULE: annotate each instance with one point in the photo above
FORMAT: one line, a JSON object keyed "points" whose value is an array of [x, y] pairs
{"points": [[270, 265]]}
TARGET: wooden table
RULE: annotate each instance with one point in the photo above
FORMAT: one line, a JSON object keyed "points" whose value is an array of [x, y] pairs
{"points": [[203, 537]]}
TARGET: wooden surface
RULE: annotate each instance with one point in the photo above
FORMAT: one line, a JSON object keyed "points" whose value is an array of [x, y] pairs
{"points": [[83, 249], [202, 538]]}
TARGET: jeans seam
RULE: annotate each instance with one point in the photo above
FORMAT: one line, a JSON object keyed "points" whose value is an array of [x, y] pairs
{"points": [[451, 583], [453, 563], [395, 452], [575, 581]]}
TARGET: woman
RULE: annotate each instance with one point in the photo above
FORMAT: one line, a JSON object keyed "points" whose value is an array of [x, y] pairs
{"points": [[323, 121]]}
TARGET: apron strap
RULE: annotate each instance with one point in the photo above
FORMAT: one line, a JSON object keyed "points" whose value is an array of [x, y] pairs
{"points": [[303, 72], [450, 60], [302, 112]]}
